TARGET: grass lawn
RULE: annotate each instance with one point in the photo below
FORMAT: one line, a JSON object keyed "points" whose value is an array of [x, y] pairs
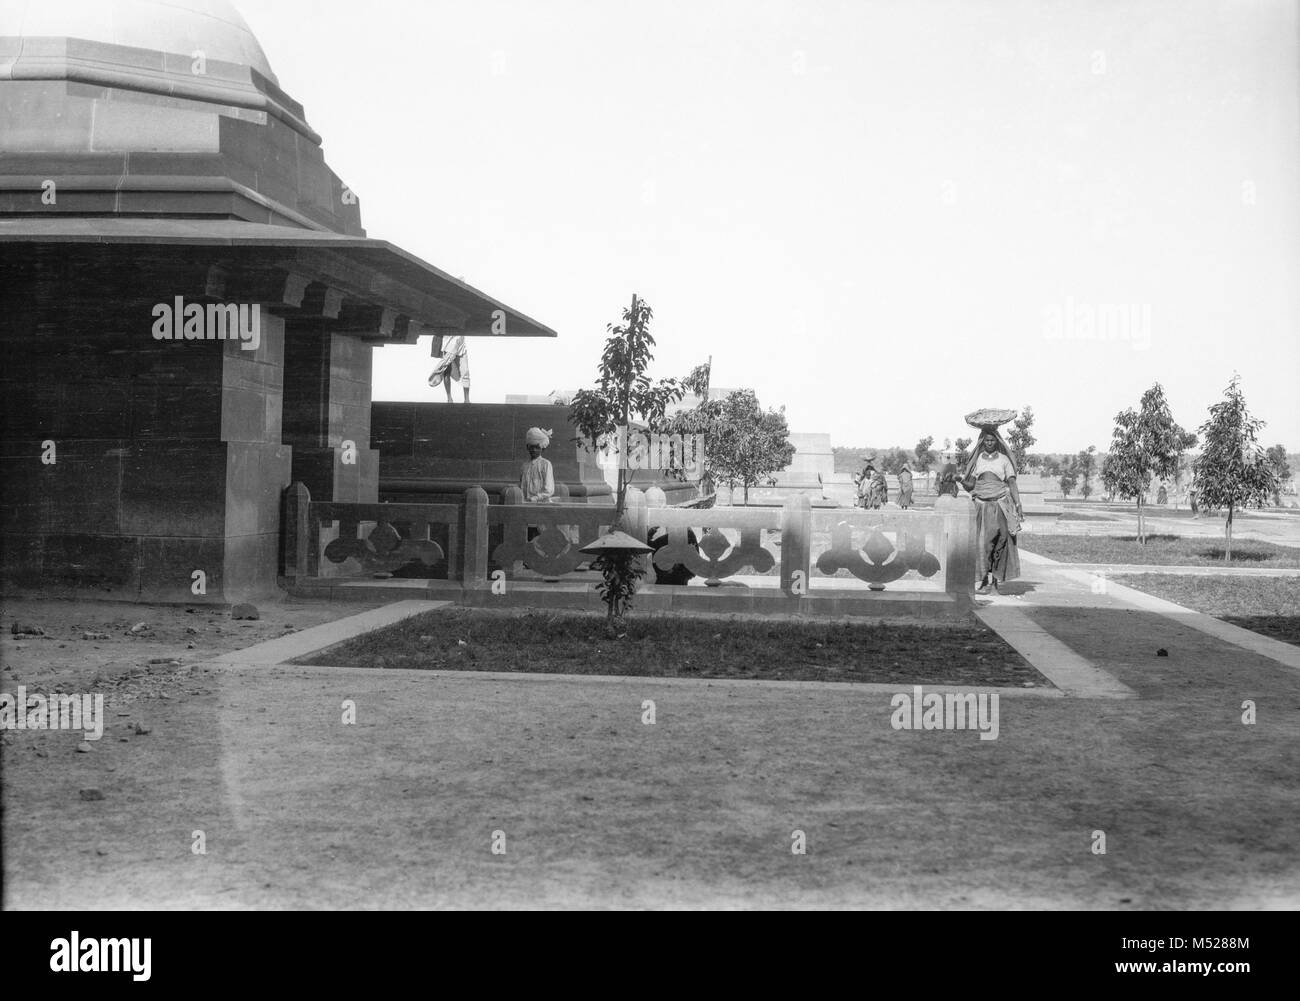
{"points": [[1267, 605], [475, 639], [1167, 550]]}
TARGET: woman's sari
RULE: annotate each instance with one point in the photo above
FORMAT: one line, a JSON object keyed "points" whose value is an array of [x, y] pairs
{"points": [[996, 522], [996, 528]]}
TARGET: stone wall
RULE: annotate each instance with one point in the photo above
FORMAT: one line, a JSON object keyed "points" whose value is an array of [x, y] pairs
{"points": [[434, 452], [129, 463]]}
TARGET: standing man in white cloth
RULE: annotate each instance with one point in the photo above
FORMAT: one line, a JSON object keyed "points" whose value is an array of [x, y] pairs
{"points": [[453, 363]]}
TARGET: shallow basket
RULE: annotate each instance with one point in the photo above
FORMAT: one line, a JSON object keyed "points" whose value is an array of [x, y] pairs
{"points": [[990, 416]]}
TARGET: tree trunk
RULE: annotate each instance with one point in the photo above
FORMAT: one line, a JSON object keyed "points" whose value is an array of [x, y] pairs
{"points": [[620, 501], [1227, 549], [1142, 535], [746, 486]]}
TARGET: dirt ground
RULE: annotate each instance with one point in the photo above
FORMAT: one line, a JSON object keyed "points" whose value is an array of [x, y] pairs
{"points": [[600, 809]]}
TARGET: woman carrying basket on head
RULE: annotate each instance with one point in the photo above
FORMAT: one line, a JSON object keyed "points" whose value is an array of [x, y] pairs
{"points": [[990, 478]]}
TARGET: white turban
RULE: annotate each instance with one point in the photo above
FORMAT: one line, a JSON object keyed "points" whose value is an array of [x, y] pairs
{"points": [[536, 436]]}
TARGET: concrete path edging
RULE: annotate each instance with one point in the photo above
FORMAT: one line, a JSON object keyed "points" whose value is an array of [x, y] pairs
{"points": [[299, 644], [638, 680], [1074, 675], [1284, 653]]}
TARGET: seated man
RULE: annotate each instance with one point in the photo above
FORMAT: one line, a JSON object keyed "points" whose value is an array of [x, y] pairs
{"points": [[537, 478]]}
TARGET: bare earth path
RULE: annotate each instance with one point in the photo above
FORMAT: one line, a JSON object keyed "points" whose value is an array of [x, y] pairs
{"points": [[698, 809]]}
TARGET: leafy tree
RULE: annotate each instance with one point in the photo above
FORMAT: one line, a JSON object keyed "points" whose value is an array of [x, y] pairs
{"points": [[1144, 444], [743, 444], [1086, 465], [1233, 471], [619, 573], [892, 460], [924, 454], [1069, 477], [697, 383], [1184, 470], [963, 451], [1282, 466], [623, 393], [1019, 439]]}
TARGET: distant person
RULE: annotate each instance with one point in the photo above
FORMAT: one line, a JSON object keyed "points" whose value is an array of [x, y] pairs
{"points": [[880, 489], [864, 481], [990, 477], [1191, 499], [948, 481], [537, 478], [453, 363], [905, 488]]}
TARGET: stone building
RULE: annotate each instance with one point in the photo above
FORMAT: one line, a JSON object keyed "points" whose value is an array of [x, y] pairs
{"points": [[188, 304]]}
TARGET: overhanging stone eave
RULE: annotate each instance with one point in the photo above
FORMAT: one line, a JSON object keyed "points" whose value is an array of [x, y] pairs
{"points": [[370, 271]]}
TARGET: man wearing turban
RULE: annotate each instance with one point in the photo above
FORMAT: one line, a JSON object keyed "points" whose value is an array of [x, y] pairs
{"points": [[537, 478]]}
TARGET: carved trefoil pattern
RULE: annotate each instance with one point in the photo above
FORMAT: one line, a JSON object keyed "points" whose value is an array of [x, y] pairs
{"points": [[879, 561], [550, 553], [717, 557], [383, 550]]}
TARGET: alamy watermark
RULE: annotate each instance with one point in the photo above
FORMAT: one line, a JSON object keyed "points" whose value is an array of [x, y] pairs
{"points": [[75, 954], [57, 712], [949, 711], [227, 321], [1083, 321], [636, 449]]}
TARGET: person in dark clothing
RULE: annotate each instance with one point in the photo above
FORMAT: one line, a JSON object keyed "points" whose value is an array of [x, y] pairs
{"points": [[657, 538], [948, 481]]}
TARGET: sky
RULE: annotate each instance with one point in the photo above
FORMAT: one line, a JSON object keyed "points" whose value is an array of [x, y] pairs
{"points": [[879, 215]]}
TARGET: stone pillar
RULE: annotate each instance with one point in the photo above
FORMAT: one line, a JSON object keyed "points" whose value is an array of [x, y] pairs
{"points": [[796, 545], [475, 539], [635, 518], [297, 504], [327, 413], [959, 534]]}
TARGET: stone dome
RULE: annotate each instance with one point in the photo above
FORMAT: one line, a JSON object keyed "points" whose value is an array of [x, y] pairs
{"points": [[178, 27]]}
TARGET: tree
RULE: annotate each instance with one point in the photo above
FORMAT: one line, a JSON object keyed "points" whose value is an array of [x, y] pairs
{"points": [[697, 383], [1144, 444], [924, 454], [1282, 466], [743, 444], [1069, 477], [1233, 470], [623, 391], [892, 460], [1085, 463], [1019, 439], [963, 451], [1184, 467]]}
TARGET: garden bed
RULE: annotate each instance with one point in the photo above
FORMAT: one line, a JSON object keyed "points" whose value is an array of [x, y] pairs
{"points": [[470, 639]]}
